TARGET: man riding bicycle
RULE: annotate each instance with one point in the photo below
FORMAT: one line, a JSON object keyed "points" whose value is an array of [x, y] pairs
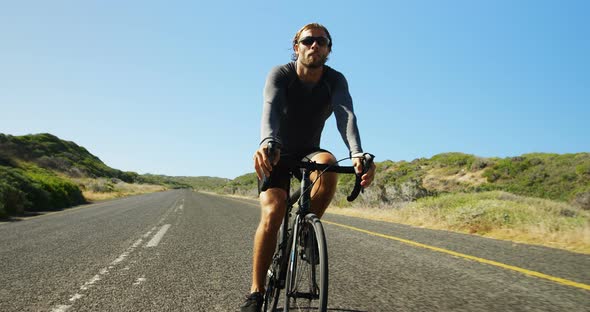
{"points": [[298, 98]]}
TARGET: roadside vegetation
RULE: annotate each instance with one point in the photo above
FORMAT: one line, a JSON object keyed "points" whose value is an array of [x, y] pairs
{"points": [[534, 198], [32, 189], [43, 173], [103, 188], [495, 214]]}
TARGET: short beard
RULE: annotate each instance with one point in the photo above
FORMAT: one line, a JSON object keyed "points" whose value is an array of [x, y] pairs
{"points": [[315, 64]]}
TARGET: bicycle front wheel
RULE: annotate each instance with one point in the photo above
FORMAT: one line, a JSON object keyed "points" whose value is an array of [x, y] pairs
{"points": [[271, 297], [307, 275]]}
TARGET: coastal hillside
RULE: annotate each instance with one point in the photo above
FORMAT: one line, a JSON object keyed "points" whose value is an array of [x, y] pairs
{"points": [[560, 177], [41, 172], [51, 153]]}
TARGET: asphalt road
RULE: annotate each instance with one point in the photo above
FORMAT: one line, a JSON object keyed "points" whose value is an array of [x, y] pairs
{"points": [[185, 251]]}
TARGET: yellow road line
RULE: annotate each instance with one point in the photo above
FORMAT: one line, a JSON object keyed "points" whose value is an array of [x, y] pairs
{"points": [[457, 254]]}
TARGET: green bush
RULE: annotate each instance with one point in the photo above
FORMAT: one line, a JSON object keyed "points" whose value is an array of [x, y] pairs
{"points": [[12, 200], [128, 176], [35, 189], [480, 163], [101, 186], [453, 160], [246, 184], [552, 176]]}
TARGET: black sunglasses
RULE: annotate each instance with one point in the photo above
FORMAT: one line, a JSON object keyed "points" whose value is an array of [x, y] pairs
{"points": [[322, 41]]}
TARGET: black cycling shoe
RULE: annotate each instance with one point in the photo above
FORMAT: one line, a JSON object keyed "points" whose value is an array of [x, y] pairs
{"points": [[253, 303]]}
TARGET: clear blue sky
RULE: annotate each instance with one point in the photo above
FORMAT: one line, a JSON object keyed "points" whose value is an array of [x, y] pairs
{"points": [[175, 87]]}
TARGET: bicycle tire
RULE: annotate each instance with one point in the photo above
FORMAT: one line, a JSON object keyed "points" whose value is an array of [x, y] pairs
{"points": [[307, 275], [275, 277]]}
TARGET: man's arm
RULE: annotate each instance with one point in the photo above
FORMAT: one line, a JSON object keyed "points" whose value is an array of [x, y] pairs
{"points": [[345, 117], [274, 102]]}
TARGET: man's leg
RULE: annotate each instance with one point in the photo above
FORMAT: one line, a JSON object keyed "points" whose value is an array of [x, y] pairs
{"points": [[273, 204], [324, 189]]}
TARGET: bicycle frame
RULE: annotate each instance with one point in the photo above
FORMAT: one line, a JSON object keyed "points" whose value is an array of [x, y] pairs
{"points": [[287, 228], [286, 252]]}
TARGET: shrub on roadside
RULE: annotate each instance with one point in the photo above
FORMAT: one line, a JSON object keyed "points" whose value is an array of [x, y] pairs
{"points": [[482, 212], [554, 176], [100, 186], [36, 189], [582, 200], [12, 200]]}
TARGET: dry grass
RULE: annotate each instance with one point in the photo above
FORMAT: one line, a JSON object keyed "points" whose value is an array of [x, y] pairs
{"points": [[492, 214], [577, 240], [439, 179], [103, 189]]}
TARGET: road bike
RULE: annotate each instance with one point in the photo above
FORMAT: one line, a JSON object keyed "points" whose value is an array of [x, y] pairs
{"points": [[300, 262]]}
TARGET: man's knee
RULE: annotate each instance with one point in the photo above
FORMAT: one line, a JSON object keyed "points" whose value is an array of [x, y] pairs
{"points": [[327, 179], [324, 158], [273, 203]]}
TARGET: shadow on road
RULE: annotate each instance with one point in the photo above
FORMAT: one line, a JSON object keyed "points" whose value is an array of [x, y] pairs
{"points": [[9, 219], [20, 217], [27, 214]]}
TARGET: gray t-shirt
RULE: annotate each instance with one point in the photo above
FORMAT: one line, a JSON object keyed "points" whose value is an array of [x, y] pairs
{"points": [[294, 112]]}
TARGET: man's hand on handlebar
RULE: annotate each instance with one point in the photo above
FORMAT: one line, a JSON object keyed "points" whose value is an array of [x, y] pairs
{"points": [[262, 163], [367, 178]]}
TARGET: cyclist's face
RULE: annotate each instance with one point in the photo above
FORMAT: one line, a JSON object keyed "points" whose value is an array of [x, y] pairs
{"points": [[312, 55]]}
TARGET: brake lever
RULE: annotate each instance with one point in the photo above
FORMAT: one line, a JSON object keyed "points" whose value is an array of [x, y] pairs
{"points": [[367, 163]]}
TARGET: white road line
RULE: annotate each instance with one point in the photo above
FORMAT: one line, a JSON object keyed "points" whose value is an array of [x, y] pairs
{"points": [[139, 281], [76, 297], [61, 308], [149, 233], [173, 208], [129, 250], [91, 282], [121, 258], [156, 239], [104, 271]]}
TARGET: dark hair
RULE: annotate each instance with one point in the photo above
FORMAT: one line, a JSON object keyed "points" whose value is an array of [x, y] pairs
{"points": [[310, 26]]}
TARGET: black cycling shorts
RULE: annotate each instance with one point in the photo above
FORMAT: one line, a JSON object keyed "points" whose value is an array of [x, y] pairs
{"points": [[280, 176]]}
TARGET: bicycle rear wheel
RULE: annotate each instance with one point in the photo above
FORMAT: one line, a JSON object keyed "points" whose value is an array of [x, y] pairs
{"points": [[307, 276]]}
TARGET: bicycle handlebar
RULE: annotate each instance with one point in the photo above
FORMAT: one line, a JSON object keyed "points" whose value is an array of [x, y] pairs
{"points": [[312, 166], [367, 163]]}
